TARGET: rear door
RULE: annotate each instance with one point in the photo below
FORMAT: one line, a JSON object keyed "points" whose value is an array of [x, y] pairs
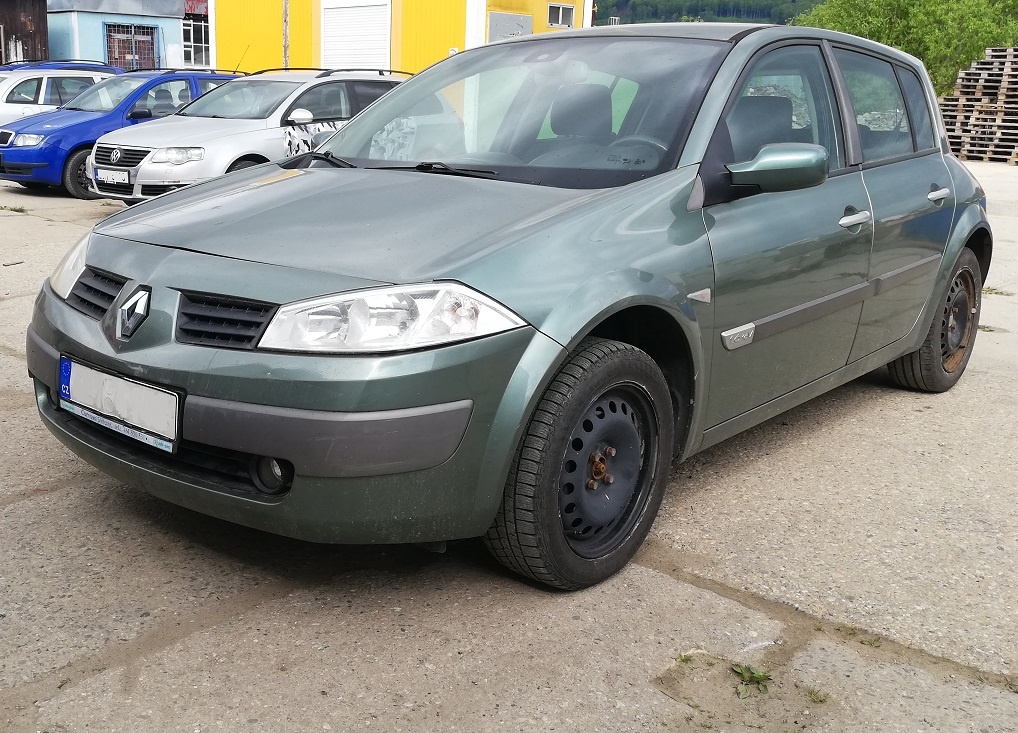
{"points": [[910, 189], [790, 267]]}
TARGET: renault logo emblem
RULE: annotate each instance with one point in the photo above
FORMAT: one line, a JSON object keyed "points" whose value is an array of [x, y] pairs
{"points": [[132, 313], [115, 155]]}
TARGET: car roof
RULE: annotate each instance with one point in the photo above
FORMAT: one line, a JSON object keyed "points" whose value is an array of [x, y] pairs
{"points": [[756, 33], [201, 73], [37, 71], [307, 75], [68, 65]]}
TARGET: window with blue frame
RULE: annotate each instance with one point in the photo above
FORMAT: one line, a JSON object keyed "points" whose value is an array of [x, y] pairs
{"points": [[132, 46]]}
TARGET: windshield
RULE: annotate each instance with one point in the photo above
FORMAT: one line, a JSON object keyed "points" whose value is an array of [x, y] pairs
{"points": [[243, 99], [570, 112], [106, 95]]}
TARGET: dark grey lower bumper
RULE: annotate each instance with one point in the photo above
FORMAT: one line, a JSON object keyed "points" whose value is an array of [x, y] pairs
{"points": [[317, 443]]}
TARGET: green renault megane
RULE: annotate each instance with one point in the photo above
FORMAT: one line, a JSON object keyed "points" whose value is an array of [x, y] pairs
{"points": [[507, 296]]}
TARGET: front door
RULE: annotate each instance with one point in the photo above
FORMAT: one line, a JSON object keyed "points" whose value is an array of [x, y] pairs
{"points": [[790, 267]]}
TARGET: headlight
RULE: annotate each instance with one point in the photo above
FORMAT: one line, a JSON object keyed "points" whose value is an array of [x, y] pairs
{"points": [[69, 269], [23, 140], [387, 319], [177, 156]]}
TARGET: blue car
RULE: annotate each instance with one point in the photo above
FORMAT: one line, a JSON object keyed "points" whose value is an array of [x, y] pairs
{"points": [[50, 149]]}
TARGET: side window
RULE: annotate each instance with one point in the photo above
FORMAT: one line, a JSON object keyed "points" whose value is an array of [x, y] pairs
{"points": [[879, 107], [366, 92], [918, 110], [26, 92], [165, 98], [207, 85], [325, 102], [787, 98], [62, 89]]}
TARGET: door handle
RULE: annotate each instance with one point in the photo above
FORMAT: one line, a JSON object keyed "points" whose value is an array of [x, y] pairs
{"points": [[939, 195], [853, 220]]}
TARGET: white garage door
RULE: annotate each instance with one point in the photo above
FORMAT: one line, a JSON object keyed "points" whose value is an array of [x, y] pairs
{"points": [[355, 36]]}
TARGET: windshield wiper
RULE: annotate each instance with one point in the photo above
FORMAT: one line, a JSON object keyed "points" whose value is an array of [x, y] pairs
{"points": [[435, 166], [299, 160], [77, 109]]}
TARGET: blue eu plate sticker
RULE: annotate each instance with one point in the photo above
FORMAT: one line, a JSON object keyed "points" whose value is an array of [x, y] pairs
{"points": [[65, 377]]}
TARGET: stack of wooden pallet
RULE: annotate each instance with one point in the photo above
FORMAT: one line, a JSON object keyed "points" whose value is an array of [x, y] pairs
{"points": [[982, 116]]}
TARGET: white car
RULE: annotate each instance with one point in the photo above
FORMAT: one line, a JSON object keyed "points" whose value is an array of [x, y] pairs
{"points": [[34, 89], [262, 117]]}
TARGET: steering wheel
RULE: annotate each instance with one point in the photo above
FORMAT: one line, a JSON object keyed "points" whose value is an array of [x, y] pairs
{"points": [[640, 140]]}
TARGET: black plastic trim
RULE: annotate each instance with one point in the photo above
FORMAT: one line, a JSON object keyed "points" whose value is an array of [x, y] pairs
{"points": [[331, 444]]}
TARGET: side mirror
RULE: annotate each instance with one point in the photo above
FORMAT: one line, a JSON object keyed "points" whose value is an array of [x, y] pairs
{"points": [[782, 167], [140, 113], [320, 137], [300, 117]]}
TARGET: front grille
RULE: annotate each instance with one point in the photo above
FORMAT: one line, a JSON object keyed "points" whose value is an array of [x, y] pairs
{"points": [[213, 320], [5, 136], [129, 157], [157, 190], [120, 189], [95, 292]]}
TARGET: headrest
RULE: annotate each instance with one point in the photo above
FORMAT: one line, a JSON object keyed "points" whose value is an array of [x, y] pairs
{"points": [[582, 110]]}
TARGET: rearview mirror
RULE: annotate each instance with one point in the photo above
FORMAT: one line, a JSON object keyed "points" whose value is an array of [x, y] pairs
{"points": [[139, 113], [782, 167], [300, 117]]}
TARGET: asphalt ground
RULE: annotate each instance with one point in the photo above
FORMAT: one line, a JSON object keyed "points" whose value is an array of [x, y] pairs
{"points": [[858, 549]]}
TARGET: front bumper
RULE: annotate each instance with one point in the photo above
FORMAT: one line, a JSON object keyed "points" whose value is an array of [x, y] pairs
{"points": [[146, 180], [400, 448], [25, 164]]}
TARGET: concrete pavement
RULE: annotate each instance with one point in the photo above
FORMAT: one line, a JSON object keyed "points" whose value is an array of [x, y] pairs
{"points": [[860, 549]]}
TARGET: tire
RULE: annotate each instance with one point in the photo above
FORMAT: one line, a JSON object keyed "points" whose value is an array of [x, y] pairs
{"points": [[238, 165], [590, 471], [939, 363], [75, 178]]}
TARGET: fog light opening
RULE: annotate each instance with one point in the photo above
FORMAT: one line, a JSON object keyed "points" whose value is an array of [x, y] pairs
{"points": [[272, 475]]}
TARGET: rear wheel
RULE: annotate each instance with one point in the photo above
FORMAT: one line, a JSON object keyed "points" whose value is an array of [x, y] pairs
{"points": [[940, 361], [589, 474], [76, 177]]}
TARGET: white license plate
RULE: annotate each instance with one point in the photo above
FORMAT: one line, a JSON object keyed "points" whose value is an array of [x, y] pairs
{"points": [[145, 413], [101, 174]]}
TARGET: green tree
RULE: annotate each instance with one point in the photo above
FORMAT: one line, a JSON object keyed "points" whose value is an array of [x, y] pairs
{"points": [[946, 36]]}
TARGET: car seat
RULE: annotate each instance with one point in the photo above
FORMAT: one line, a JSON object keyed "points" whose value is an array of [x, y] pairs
{"points": [[183, 97], [163, 103]]}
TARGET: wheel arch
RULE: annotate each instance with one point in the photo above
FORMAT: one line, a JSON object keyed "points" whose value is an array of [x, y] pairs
{"points": [[980, 241], [657, 332], [256, 158]]}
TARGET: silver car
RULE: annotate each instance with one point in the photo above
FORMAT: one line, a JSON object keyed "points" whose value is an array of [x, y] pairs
{"points": [[265, 116]]}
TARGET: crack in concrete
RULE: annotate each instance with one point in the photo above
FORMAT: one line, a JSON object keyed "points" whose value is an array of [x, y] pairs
{"points": [[802, 628]]}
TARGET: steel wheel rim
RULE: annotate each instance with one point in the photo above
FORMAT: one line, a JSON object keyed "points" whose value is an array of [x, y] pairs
{"points": [[82, 175], [607, 470], [957, 320]]}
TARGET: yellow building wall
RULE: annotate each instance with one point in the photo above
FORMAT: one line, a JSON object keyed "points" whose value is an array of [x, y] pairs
{"points": [[249, 34], [538, 9], [423, 33]]}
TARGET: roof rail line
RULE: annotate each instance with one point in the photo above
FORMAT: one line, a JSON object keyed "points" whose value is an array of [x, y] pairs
{"points": [[380, 72], [186, 71], [292, 68]]}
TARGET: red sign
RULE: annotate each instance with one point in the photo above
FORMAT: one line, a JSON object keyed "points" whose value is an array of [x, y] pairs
{"points": [[197, 7]]}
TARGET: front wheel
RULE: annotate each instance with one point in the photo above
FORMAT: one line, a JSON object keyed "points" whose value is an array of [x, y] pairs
{"points": [[940, 361], [590, 471], [76, 177]]}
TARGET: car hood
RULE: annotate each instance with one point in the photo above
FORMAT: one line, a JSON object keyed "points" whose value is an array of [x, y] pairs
{"points": [[47, 123], [176, 130], [385, 226]]}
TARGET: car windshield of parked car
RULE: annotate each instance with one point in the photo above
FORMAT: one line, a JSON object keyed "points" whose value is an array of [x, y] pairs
{"points": [[570, 112], [246, 99], [106, 95]]}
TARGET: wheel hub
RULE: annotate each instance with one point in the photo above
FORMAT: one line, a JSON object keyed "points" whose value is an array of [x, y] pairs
{"points": [[956, 321], [601, 471]]}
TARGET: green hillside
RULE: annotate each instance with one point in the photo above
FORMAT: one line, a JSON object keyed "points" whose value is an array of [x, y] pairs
{"points": [[664, 11]]}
